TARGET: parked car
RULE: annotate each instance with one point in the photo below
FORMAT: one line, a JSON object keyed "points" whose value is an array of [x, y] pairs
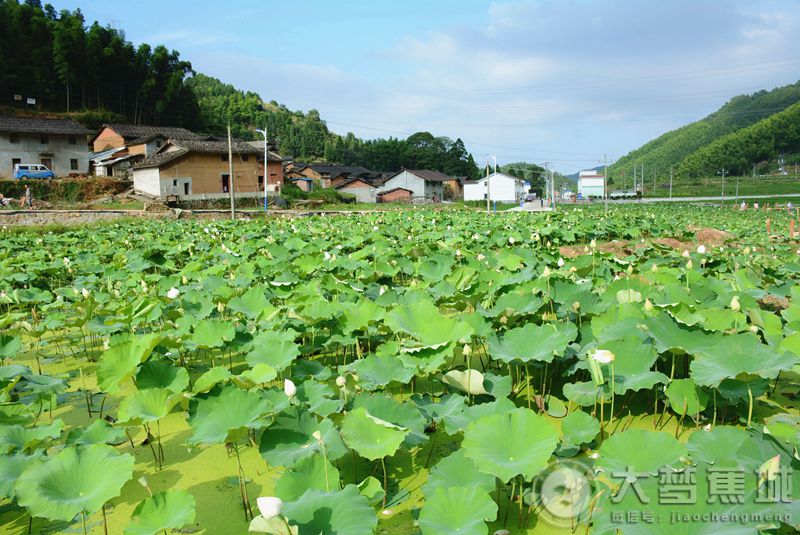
{"points": [[24, 171]]}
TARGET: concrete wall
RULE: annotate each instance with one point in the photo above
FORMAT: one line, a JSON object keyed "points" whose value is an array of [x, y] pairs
{"points": [[502, 188], [58, 149], [147, 181], [363, 192], [408, 181], [591, 187]]}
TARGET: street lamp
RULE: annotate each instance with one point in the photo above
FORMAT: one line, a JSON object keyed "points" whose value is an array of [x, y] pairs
{"points": [[722, 195], [488, 190], [266, 164]]}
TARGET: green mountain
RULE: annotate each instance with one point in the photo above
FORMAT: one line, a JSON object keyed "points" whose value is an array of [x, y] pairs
{"points": [[676, 148]]}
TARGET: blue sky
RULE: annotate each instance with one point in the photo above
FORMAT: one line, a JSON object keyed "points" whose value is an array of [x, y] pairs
{"points": [[564, 81]]}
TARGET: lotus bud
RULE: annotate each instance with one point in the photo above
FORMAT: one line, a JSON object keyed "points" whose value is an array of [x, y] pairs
{"points": [[546, 272], [685, 253], [269, 506], [735, 306], [184, 280], [341, 381], [220, 307], [317, 436], [648, 306], [289, 389], [603, 356], [629, 270], [576, 306], [548, 243], [142, 481], [106, 344], [689, 264], [173, 293], [585, 249], [480, 257], [701, 249], [654, 268], [746, 250], [593, 244], [85, 293], [458, 252], [573, 269], [467, 350], [511, 240], [753, 329], [503, 320], [560, 262]]}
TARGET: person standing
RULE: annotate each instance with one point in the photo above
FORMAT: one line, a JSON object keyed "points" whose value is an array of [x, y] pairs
{"points": [[28, 198]]}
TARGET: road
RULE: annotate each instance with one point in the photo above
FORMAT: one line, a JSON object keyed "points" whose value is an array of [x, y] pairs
{"points": [[711, 198]]}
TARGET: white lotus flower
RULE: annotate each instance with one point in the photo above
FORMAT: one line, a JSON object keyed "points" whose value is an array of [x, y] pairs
{"points": [[689, 264], [220, 307], [458, 252], [269, 506], [546, 272], [648, 306], [288, 388], [560, 262], [85, 293], [173, 293], [480, 257], [317, 435], [735, 306], [511, 240], [603, 356], [685, 253], [341, 381], [701, 249]]}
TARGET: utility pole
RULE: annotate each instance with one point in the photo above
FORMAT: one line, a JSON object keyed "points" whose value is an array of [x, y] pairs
{"points": [[547, 181], [737, 189], [722, 195], [670, 181], [230, 173], [266, 165], [605, 182], [654, 182], [488, 201], [634, 177]]}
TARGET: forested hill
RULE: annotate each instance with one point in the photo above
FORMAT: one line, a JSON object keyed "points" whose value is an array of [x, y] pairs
{"points": [[305, 136], [55, 58], [675, 147]]}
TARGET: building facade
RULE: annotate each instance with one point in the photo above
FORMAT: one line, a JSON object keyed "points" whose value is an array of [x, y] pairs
{"points": [[424, 185], [591, 184], [501, 188], [59, 144]]}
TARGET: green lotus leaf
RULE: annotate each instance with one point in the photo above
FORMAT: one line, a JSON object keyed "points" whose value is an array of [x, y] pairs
{"points": [[426, 360], [162, 374], [424, 321], [210, 379], [455, 422], [19, 438], [172, 509], [640, 449], [738, 354], [376, 371], [685, 397], [718, 446], [121, 361], [447, 406], [468, 381], [388, 409], [253, 304], [533, 342], [463, 510], [273, 526], [259, 374], [498, 386], [273, 348], [319, 397], [147, 405], [555, 407], [372, 490], [784, 427], [457, 470], [579, 428], [341, 511], [358, 315], [9, 346], [11, 467], [586, 393], [98, 432], [371, 437], [76, 480], [212, 333], [227, 413], [535, 440], [668, 335], [290, 439], [308, 473]]}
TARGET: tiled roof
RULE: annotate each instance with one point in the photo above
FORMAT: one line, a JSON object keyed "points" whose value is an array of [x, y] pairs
{"points": [[356, 179], [393, 190], [35, 125], [431, 176], [135, 131], [160, 158]]}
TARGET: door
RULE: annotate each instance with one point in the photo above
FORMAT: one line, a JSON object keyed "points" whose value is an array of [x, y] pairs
{"points": [[47, 162], [226, 183]]}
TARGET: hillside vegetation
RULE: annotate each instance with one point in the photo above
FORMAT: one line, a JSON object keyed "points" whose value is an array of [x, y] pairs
{"points": [[676, 147]]}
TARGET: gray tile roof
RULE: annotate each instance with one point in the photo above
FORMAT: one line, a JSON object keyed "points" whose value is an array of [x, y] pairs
{"points": [[135, 131], [186, 146], [36, 125], [426, 174]]}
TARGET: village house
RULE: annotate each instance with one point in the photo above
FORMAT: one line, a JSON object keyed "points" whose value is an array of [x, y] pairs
{"points": [[364, 190], [59, 144], [424, 185], [501, 188], [304, 175], [118, 147], [394, 195], [190, 170], [591, 184], [275, 175]]}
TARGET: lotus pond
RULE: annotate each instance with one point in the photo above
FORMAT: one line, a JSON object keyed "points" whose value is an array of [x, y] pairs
{"points": [[632, 371]]}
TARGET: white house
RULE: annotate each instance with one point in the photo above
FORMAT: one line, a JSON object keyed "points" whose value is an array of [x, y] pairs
{"points": [[501, 187], [591, 184], [60, 144], [425, 185]]}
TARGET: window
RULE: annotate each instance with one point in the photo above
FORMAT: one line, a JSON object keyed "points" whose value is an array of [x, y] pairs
{"points": [[226, 183], [15, 162], [186, 190], [47, 162], [73, 140], [244, 157], [13, 138], [261, 182], [44, 139], [174, 183], [73, 164], [223, 157]]}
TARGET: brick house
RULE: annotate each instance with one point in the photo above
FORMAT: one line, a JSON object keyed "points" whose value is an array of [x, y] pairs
{"points": [[60, 144]]}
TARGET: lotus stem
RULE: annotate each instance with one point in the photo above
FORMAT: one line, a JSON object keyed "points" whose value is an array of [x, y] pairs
{"points": [[749, 405], [510, 501], [430, 453], [528, 384], [105, 520], [248, 512], [714, 418], [385, 483], [611, 415], [83, 519]]}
